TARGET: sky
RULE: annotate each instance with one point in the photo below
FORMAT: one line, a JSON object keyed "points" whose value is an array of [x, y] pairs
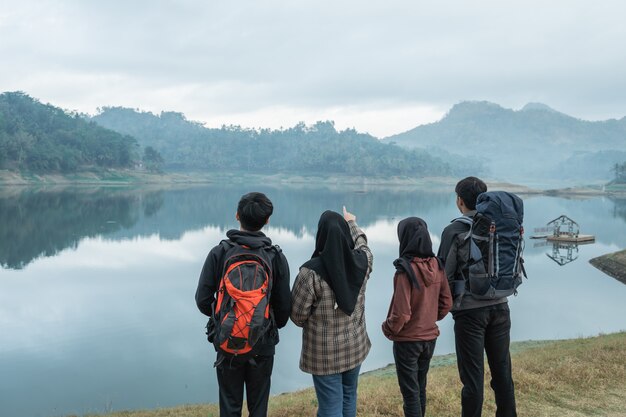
{"points": [[381, 67]]}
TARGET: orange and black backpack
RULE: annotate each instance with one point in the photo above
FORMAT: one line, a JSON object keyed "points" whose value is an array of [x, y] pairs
{"points": [[241, 313]]}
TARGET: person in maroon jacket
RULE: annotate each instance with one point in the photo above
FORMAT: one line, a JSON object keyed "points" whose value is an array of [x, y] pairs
{"points": [[421, 297]]}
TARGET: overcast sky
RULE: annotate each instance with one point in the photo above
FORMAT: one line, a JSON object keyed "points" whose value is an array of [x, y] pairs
{"points": [[381, 67]]}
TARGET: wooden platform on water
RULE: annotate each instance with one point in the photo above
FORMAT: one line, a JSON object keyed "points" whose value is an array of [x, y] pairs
{"points": [[571, 239]]}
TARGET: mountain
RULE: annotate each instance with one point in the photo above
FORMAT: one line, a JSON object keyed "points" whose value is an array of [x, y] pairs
{"points": [[316, 149], [534, 143], [538, 106], [42, 138]]}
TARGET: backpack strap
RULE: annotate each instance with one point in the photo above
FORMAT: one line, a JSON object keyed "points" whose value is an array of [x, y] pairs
{"points": [[227, 244], [464, 219], [468, 221]]}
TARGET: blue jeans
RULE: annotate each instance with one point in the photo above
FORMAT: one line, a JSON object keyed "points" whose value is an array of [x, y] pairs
{"points": [[336, 393]]}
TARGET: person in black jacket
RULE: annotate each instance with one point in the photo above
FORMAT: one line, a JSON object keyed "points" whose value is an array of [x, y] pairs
{"points": [[254, 370], [480, 326]]}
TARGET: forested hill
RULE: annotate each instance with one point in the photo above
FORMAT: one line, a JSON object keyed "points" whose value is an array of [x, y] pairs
{"points": [[535, 142], [42, 138], [316, 149]]}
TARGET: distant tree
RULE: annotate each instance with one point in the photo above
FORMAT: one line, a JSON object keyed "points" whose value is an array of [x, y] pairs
{"points": [[620, 172], [152, 159]]}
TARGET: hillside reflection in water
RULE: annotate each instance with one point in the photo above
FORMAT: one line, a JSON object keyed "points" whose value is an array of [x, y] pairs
{"points": [[97, 285]]}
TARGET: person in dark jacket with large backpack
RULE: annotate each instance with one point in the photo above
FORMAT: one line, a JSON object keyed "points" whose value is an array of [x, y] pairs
{"points": [[421, 297], [244, 332], [480, 325]]}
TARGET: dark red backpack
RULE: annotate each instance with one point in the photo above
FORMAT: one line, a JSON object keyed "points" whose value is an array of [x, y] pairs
{"points": [[242, 313]]}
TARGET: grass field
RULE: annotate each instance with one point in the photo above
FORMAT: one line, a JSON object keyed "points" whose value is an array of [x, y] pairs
{"points": [[579, 377]]}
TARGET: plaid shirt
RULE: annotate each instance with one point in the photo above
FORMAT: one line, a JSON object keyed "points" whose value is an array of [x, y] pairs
{"points": [[332, 342]]}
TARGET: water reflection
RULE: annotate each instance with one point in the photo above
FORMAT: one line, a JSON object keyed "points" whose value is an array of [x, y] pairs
{"points": [[43, 223], [102, 315], [619, 209], [563, 253], [37, 224]]}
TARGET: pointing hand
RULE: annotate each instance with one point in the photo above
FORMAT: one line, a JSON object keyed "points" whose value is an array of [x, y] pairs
{"points": [[347, 215]]}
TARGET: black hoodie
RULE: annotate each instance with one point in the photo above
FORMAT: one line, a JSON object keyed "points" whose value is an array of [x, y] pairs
{"points": [[280, 299]]}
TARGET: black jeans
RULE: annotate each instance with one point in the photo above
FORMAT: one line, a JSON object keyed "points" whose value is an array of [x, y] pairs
{"points": [[232, 375], [478, 331], [412, 362]]}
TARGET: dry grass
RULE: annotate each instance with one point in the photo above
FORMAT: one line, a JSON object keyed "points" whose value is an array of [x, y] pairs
{"points": [[580, 377]]}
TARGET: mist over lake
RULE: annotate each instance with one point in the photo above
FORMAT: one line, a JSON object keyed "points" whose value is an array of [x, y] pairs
{"points": [[97, 285]]}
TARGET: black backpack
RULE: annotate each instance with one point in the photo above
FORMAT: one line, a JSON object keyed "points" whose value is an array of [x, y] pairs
{"points": [[496, 239]]}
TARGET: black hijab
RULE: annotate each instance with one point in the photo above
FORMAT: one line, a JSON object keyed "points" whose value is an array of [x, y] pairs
{"points": [[337, 262], [414, 242]]}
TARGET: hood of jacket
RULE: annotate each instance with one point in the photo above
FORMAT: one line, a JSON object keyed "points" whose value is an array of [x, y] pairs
{"points": [[425, 269], [252, 240]]}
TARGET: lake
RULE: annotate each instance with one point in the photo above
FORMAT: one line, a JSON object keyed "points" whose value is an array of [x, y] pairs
{"points": [[97, 285]]}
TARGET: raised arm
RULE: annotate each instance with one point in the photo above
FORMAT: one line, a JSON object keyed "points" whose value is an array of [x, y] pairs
{"points": [[360, 240]]}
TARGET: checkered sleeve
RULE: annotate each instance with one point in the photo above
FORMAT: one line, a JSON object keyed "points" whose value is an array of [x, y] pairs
{"points": [[360, 242], [302, 297]]}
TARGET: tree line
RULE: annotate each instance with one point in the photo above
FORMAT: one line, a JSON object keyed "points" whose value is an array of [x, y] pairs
{"points": [[42, 138], [316, 149]]}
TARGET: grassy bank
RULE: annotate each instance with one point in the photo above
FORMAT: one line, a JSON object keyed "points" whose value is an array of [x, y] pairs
{"points": [[613, 264], [579, 377]]}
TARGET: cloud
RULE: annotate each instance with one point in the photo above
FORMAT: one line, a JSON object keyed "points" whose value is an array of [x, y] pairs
{"points": [[361, 61]]}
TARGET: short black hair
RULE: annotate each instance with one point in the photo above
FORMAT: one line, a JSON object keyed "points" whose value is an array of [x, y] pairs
{"points": [[253, 210], [468, 189]]}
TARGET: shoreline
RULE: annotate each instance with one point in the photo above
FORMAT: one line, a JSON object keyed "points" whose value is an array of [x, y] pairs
{"points": [[612, 264], [545, 372], [132, 178]]}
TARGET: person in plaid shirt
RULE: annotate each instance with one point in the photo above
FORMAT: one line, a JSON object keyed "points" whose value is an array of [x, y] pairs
{"points": [[328, 302]]}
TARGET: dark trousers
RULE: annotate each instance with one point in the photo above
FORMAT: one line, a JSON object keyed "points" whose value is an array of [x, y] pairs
{"points": [[232, 375], [478, 331], [412, 362]]}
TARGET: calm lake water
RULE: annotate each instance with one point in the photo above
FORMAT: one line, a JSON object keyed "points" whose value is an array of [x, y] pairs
{"points": [[97, 309]]}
